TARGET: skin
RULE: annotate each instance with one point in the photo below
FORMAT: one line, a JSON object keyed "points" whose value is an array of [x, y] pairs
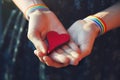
{"points": [[86, 32], [81, 43], [40, 23]]}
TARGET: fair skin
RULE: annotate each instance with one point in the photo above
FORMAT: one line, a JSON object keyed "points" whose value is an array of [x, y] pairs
{"points": [[40, 23], [81, 42], [83, 31]]}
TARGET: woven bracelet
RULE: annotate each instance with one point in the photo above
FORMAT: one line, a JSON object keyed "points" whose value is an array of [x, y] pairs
{"points": [[34, 7], [99, 22]]}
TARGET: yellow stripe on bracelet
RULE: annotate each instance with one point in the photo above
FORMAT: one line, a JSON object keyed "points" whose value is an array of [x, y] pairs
{"points": [[99, 22], [34, 7], [102, 22]]}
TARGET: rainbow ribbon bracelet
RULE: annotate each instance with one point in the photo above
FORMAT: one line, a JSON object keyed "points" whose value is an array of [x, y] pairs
{"points": [[99, 22], [34, 7]]}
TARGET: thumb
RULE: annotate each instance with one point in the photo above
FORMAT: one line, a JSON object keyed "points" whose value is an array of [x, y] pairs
{"points": [[86, 49], [38, 42]]}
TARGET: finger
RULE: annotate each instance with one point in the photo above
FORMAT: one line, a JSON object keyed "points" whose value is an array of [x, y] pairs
{"points": [[76, 49], [73, 61], [71, 51], [52, 63], [86, 47], [40, 57], [39, 44], [74, 56], [37, 52], [85, 50], [59, 57], [73, 46]]}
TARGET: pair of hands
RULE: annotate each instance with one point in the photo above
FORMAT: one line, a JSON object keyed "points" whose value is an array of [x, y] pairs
{"points": [[82, 35]]}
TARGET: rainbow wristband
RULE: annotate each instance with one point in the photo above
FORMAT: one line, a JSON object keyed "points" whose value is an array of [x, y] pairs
{"points": [[99, 22], [32, 8]]}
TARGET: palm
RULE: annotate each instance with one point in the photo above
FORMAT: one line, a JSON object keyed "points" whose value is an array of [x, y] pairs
{"points": [[44, 23], [84, 35], [39, 25]]}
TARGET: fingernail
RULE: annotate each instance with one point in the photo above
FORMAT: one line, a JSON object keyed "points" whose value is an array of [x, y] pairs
{"points": [[43, 50], [75, 54], [36, 52], [45, 58], [73, 61]]}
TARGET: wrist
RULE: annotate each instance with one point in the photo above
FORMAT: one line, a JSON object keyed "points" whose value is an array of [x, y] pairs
{"points": [[38, 13], [29, 6], [93, 27], [98, 22], [35, 8]]}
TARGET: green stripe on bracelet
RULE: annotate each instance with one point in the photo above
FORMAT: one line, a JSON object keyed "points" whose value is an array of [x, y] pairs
{"points": [[99, 22], [34, 7]]}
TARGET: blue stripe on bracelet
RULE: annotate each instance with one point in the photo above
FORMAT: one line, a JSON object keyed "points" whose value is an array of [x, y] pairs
{"points": [[99, 22], [34, 7]]}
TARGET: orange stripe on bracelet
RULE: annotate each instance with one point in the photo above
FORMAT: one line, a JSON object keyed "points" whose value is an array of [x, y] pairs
{"points": [[99, 22], [103, 23]]}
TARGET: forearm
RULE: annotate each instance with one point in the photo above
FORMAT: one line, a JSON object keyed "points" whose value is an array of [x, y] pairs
{"points": [[24, 4], [111, 16]]}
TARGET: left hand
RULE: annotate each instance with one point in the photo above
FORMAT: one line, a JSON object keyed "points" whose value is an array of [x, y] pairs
{"points": [[84, 34]]}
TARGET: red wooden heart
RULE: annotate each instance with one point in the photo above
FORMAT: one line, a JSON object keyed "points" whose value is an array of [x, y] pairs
{"points": [[55, 40]]}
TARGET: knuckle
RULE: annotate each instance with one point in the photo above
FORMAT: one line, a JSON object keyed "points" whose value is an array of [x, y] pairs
{"points": [[87, 52], [28, 35], [76, 63]]}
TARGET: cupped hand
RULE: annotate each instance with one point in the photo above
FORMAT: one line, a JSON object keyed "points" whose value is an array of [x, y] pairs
{"points": [[40, 23], [84, 34]]}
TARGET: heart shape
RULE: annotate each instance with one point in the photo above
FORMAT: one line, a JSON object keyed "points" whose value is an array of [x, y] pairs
{"points": [[56, 40]]}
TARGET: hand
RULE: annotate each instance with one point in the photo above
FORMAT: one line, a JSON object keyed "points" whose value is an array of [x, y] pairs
{"points": [[40, 23], [84, 34]]}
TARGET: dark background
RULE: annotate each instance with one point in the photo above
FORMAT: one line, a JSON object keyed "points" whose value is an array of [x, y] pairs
{"points": [[17, 61]]}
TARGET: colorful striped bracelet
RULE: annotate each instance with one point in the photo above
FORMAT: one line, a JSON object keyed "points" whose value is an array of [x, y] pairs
{"points": [[99, 22], [34, 7]]}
